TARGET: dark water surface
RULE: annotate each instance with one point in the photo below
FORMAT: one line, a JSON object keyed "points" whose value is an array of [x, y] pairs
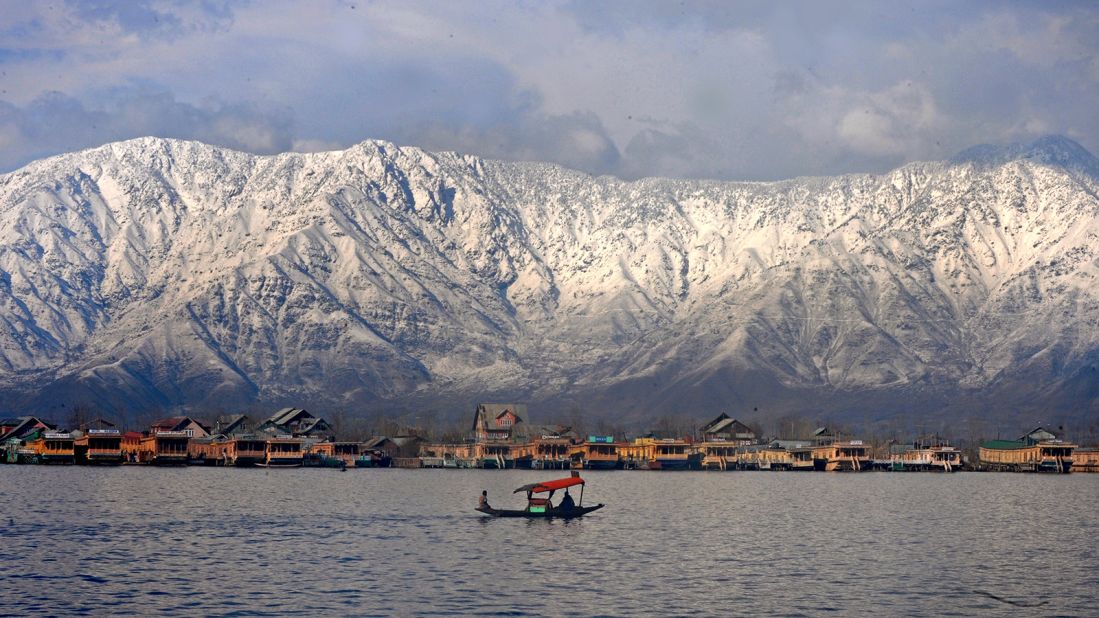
{"points": [[199, 541]]}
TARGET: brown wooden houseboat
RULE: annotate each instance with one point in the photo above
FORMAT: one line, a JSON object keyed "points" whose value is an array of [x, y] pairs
{"points": [[1021, 456], [764, 457], [937, 458], [1085, 459], [53, 447], [284, 453], [99, 446], [849, 456], [718, 455], [165, 448], [596, 453]]}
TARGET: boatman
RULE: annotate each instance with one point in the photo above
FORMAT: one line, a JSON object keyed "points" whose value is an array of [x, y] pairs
{"points": [[483, 502], [566, 502]]}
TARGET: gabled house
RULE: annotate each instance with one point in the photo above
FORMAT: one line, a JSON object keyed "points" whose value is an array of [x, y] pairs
{"points": [[383, 445], [183, 424], [232, 425], [18, 427], [1038, 434], [727, 429], [499, 422], [296, 422], [823, 436], [408, 446], [97, 423]]}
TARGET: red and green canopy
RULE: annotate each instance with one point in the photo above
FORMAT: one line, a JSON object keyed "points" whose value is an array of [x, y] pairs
{"points": [[538, 488]]}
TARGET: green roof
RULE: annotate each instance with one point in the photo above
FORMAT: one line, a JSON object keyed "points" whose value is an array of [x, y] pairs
{"points": [[1004, 445]]}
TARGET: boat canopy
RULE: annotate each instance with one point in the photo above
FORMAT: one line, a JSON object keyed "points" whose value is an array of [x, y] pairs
{"points": [[538, 488]]}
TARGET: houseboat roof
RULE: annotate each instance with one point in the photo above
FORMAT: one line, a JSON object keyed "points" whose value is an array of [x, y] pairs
{"points": [[230, 423], [1004, 445], [554, 485], [285, 415], [492, 411], [24, 425], [1007, 445], [176, 423], [377, 442], [725, 423]]}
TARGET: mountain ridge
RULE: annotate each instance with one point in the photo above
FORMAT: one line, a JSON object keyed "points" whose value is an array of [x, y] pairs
{"points": [[169, 274]]}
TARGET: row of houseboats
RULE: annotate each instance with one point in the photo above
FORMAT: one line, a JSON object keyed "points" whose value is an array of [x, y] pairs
{"points": [[602, 453], [110, 446], [501, 437], [848, 455]]}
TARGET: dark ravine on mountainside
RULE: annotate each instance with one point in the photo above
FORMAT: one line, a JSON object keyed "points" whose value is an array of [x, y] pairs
{"points": [[163, 274]]}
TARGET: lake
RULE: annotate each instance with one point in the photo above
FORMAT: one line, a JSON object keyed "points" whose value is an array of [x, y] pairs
{"points": [[211, 541]]}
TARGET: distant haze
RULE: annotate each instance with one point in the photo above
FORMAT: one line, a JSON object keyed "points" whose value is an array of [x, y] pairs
{"points": [[727, 90]]}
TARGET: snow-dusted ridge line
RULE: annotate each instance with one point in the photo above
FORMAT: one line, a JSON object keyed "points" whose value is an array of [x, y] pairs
{"points": [[167, 273]]}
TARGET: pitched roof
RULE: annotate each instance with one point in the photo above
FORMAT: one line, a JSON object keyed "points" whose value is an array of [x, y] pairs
{"points": [[493, 411], [25, 425], [713, 425], [728, 425], [377, 442], [1004, 445], [286, 415], [168, 423], [1030, 435], [176, 423], [310, 424]]}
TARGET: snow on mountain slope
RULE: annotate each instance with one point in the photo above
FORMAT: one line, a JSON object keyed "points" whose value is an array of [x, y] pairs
{"points": [[159, 274]]}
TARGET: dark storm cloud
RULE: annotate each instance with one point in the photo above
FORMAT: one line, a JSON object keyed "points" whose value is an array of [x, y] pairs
{"points": [[694, 89]]}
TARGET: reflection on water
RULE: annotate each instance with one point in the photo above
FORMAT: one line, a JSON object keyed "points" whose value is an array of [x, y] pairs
{"points": [[194, 541]]}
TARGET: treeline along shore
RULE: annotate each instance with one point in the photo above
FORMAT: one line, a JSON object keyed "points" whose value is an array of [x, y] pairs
{"points": [[501, 437]]}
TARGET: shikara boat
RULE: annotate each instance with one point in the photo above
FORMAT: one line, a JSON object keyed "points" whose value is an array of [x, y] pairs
{"points": [[542, 508]]}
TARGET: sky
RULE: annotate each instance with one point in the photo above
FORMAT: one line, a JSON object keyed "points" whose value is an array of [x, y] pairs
{"points": [[724, 90]]}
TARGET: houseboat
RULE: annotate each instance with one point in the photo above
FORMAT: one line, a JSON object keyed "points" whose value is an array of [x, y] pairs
{"points": [[348, 452], [284, 453], [495, 456], [764, 457], [99, 446], [850, 456], [801, 458], [596, 453], [17, 452], [327, 454], [671, 454], [165, 448], [937, 458], [1085, 460], [245, 451], [53, 447], [1024, 456], [205, 451], [718, 455], [545, 452]]}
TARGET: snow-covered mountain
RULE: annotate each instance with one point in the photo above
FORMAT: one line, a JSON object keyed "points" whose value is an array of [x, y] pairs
{"points": [[160, 274]]}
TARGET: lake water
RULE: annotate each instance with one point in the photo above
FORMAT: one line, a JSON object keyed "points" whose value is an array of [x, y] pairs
{"points": [[201, 541]]}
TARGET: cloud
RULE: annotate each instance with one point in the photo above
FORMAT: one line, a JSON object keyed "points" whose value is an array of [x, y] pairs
{"points": [[576, 140], [55, 122], [631, 88]]}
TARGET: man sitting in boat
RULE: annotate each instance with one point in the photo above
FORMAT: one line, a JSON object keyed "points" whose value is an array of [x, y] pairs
{"points": [[566, 502], [483, 502]]}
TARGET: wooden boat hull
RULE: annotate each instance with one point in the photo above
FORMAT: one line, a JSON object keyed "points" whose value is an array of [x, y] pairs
{"points": [[572, 513]]}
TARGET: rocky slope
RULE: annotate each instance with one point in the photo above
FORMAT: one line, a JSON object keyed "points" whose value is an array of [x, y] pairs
{"points": [[169, 274]]}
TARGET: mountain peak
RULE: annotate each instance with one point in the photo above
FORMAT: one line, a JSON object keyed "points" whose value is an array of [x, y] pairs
{"points": [[1050, 150]]}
